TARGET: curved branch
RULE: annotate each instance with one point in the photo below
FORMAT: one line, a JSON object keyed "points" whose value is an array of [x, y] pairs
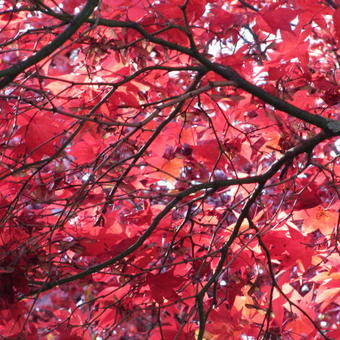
{"points": [[305, 146], [12, 72], [331, 127]]}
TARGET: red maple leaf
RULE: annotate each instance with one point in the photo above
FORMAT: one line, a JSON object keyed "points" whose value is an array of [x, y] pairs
{"points": [[162, 286]]}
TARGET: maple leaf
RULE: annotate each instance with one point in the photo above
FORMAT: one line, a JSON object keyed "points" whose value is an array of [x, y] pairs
{"points": [[279, 18], [40, 142], [162, 286], [85, 150], [194, 9], [223, 324], [211, 152], [318, 218], [293, 46], [284, 248], [308, 198]]}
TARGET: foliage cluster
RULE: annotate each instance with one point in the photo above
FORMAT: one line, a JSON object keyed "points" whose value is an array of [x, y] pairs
{"points": [[169, 169]]}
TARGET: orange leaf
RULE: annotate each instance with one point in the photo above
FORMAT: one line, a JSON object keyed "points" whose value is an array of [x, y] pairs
{"points": [[317, 218]]}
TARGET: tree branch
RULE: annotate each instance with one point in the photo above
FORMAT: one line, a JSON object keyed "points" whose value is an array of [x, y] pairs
{"points": [[305, 146], [274, 282], [245, 4], [331, 127], [12, 72], [332, 4]]}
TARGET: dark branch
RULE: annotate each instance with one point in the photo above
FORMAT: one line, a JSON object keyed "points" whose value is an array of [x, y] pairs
{"points": [[228, 73], [305, 146], [245, 4], [331, 127], [12, 72], [332, 4]]}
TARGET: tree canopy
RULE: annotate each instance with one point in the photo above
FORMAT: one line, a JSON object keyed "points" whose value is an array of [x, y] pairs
{"points": [[169, 169]]}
